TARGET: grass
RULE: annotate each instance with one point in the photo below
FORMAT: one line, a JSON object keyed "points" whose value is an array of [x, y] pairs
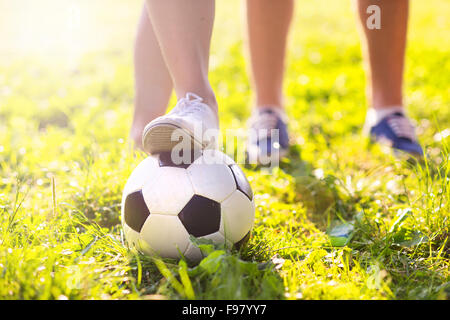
{"points": [[339, 219]]}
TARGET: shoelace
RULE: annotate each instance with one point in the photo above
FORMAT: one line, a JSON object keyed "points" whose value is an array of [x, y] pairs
{"points": [[189, 104], [402, 127]]}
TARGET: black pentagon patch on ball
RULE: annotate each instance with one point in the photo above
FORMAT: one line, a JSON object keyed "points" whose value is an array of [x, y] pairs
{"points": [[241, 181], [135, 210], [166, 159], [201, 216]]}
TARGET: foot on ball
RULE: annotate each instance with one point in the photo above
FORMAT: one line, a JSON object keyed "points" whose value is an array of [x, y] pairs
{"points": [[190, 121]]}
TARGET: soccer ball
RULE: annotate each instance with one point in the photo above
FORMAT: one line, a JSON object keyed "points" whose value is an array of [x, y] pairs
{"points": [[164, 203]]}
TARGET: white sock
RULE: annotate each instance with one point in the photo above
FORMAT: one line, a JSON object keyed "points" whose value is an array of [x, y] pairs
{"points": [[374, 116]]}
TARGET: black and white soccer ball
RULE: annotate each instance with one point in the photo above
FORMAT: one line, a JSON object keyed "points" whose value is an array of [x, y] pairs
{"points": [[164, 203]]}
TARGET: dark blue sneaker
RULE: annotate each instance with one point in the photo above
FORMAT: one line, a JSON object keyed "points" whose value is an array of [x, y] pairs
{"points": [[396, 131], [268, 139]]}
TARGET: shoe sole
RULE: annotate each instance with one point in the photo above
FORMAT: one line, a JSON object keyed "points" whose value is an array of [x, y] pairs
{"points": [[157, 138]]}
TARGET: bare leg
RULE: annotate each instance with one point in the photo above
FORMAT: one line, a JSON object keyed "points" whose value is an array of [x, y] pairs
{"points": [[384, 51], [268, 27], [183, 29], [384, 57], [153, 85]]}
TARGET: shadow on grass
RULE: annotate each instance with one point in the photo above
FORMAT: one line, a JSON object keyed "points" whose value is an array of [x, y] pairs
{"points": [[325, 199], [322, 196]]}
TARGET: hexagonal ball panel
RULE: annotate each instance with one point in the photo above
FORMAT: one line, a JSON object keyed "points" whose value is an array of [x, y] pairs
{"points": [[164, 235], [238, 214], [169, 192], [201, 216], [213, 181], [141, 175]]}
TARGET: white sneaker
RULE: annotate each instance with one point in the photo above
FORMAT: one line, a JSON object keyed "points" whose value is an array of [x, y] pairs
{"points": [[190, 120]]}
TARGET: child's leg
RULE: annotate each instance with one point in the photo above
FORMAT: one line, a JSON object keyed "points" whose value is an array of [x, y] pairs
{"points": [[183, 29], [384, 56], [153, 85], [384, 51], [268, 26]]}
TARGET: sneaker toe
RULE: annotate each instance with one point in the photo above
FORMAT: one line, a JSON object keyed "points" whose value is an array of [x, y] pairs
{"points": [[409, 146]]}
